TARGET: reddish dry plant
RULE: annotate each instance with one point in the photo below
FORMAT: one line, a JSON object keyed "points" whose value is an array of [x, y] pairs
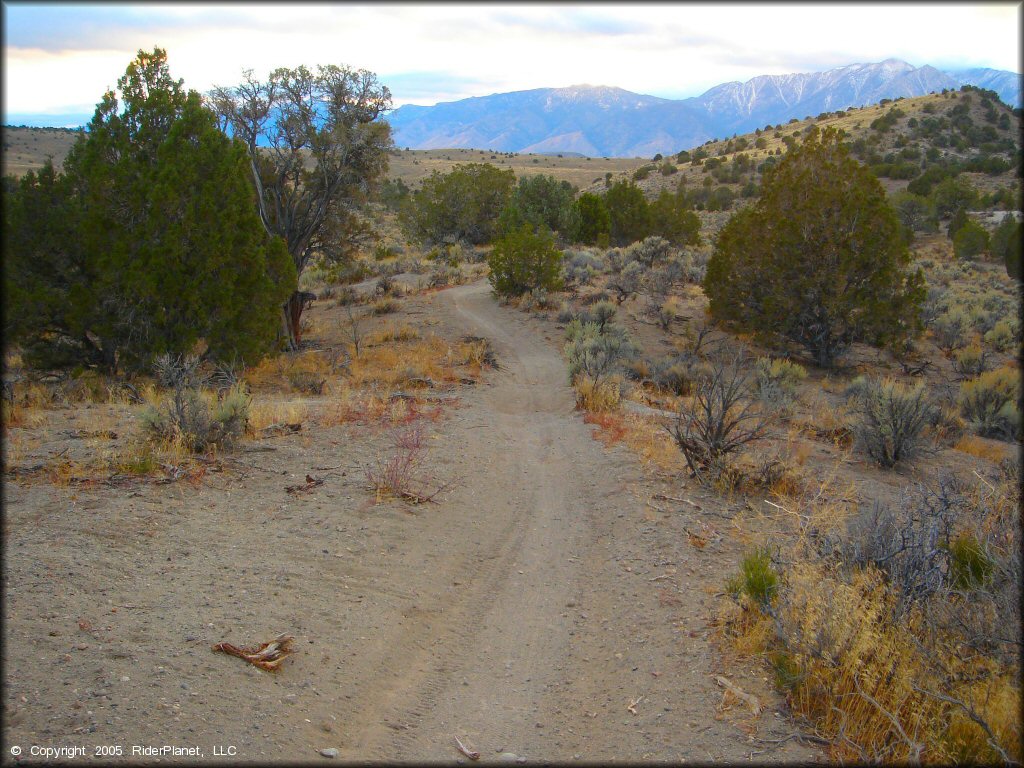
{"points": [[611, 428], [394, 474]]}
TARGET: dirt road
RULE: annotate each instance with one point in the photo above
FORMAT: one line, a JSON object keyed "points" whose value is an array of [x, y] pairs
{"points": [[541, 609]]}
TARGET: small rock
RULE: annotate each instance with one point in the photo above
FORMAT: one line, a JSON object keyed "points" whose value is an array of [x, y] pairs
{"points": [[508, 757], [329, 752], [125, 679]]}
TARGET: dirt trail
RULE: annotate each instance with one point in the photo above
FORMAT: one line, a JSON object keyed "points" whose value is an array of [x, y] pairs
{"points": [[548, 639], [523, 613]]}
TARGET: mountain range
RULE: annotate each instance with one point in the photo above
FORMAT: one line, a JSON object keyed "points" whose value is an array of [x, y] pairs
{"points": [[612, 122]]}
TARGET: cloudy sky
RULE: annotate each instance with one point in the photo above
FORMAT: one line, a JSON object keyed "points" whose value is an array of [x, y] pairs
{"points": [[60, 57]]}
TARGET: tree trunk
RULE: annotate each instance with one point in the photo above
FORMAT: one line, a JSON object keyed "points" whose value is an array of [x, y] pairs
{"points": [[292, 317]]}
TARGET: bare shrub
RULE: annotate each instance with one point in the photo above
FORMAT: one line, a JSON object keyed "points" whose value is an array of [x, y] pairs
{"points": [[384, 306], [720, 418], [627, 282], [397, 473], [892, 417]]}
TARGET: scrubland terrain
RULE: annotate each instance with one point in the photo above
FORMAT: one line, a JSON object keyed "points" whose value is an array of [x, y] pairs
{"points": [[468, 549]]}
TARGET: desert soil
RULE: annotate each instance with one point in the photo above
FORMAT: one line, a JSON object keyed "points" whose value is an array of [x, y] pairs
{"points": [[546, 606]]}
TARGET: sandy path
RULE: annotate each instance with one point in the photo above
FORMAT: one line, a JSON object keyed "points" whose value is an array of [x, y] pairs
{"points": [[551, 634]]}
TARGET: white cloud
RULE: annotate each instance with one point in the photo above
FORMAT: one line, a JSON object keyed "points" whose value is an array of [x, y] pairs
{"points": [[67, 54]]}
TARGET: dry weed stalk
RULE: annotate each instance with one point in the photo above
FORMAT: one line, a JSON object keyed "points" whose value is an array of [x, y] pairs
{"points": [[396, 473]]}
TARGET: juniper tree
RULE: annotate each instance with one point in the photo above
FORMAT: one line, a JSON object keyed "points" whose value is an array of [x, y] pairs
{"points": [[819, 259], [590, 221], [148, 242], [463, 204]]}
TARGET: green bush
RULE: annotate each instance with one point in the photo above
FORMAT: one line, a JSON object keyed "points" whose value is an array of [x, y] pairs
{"points": [[629, 212], [970, 240], [463, 204], [149, 241], [590, 221], [541, 201], [672, 219], [990, 402], [525, 259], [1006, 246], [756, 579]]}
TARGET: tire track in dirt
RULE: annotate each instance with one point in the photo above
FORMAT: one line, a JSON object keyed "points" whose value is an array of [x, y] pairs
{"points": [[483, 676]]}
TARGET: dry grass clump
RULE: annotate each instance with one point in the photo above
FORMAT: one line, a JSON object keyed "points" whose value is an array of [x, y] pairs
{"points": [[429, 362], [652, 443], [399, 474], [190, 416], [600, 396], [301, 372], [352, 406], [392, 333], [983, 449], [895, 631], [611, 427], [826, 420], [265, 415]]}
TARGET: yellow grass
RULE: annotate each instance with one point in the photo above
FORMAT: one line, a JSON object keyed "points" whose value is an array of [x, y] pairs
{"points": [[989, 450], [263, 414], [282, 372], [597, 398], [652, 444], [868, 679]]}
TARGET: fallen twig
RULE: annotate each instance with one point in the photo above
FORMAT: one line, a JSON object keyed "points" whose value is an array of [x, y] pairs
{"points": [[310, 484], [280, 429], [267, 656], [633, 704], [739, 693], [467, 752], [665, 497]]}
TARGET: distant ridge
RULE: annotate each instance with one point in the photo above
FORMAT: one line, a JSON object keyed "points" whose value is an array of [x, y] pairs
{"points": [[612, 122]]}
